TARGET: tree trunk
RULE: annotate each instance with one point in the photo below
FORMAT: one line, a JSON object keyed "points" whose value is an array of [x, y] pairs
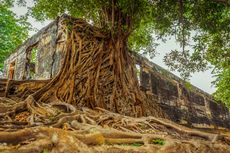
{"points": [[97, 72]]}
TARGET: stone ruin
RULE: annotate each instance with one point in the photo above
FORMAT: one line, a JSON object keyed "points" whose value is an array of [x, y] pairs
{"points": [[41, 57]]}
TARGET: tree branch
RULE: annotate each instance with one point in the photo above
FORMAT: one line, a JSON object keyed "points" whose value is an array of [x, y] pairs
{"points": [[227, 2]]}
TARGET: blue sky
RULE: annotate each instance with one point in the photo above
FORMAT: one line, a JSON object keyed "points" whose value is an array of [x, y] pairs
{"points": [[201, 79]]}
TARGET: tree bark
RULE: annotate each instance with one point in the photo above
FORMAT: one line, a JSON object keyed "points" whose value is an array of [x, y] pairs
{"points": [[97, 72]]}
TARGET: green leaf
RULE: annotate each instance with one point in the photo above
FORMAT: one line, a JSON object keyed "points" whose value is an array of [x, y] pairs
{"points": [[13, 31]]}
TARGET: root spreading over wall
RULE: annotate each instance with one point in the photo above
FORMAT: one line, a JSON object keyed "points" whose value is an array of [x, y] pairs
{"points": [[97, 72], [85, 105]]}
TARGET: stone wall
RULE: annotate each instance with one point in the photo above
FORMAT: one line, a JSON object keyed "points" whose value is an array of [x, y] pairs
{"points": [[185, 105], [48, 56], [182, 103]]}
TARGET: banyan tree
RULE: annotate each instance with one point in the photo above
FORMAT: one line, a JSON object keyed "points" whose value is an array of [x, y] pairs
{"points": [[97, 83]]}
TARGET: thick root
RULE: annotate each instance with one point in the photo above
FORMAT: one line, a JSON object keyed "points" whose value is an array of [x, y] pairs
{"points": [[86, 103]]}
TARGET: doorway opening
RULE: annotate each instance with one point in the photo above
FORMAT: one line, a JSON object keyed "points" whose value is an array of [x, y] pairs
{"points": [[11, 71]]}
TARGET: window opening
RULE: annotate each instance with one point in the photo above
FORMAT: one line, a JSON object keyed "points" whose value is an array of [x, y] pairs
{"points": [[138, 73], [31, 59]]}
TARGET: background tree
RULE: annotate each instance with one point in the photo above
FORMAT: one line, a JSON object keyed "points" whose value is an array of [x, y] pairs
{"points": [[13, 31]]}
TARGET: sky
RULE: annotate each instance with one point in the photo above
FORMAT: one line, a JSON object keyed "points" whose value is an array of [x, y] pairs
{"points": [[201, 80]]}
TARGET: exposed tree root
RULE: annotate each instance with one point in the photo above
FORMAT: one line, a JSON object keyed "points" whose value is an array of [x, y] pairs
{"points": [[60, 114], [86, 103], [97, 73], [42, 124], [92, 129]]}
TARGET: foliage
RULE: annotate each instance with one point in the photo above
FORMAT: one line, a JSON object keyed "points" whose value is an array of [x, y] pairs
{"points": [[34, 55], [201, 27], [223, 90], [218, 54], [188, 86], [158, 141], [44, 150], [13, 31]]}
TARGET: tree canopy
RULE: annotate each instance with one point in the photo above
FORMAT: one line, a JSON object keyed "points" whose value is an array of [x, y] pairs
{"points": [[13, 31], [201, 27]]}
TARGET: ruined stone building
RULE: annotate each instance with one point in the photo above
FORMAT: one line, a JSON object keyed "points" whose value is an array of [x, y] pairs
{"points": [[41, 56]]}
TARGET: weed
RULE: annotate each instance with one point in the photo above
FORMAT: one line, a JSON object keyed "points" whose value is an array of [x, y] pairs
{"points": [[158, 141], [44, 150]]}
